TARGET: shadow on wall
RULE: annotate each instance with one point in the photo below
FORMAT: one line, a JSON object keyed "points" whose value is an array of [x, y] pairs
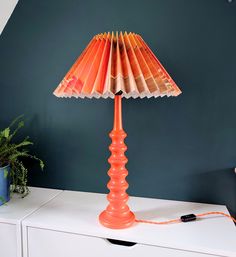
{"points": [[209, 186]]}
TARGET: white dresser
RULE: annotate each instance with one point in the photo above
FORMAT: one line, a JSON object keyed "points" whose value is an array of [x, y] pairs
{"points": [[68, 226], [12, 214]]}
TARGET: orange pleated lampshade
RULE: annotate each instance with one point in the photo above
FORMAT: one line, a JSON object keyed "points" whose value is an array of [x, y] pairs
{"points": [[114, 63]]}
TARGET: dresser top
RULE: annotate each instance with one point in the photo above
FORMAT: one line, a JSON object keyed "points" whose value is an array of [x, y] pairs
{"points": [[18, 208], [77, 212]]}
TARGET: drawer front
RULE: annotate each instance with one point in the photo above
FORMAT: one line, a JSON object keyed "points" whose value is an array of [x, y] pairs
{"points": [[48, 243], [8, 240]]}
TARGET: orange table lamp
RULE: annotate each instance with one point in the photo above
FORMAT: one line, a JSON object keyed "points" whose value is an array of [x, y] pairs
{"points": [[117, 65]]}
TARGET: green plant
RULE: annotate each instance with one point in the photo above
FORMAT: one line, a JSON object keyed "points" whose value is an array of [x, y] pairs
{"points": [[2, 199], [16, 154]]}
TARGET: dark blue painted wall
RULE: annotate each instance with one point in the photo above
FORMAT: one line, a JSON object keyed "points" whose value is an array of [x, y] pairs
{"points": [[179, 148]]}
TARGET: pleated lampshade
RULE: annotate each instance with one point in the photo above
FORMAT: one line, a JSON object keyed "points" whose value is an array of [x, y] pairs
{"points": [[116, 66], [117, 62]]}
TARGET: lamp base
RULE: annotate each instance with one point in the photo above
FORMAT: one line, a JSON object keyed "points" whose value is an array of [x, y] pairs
{"points": [[117, 214], [116, 222]]}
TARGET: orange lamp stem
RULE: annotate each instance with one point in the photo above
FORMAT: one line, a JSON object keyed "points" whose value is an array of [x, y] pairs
{"points": [[117, 214]]}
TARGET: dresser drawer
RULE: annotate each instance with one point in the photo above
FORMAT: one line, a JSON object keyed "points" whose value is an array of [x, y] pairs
{"points": [[48, 243], [8, 240]]}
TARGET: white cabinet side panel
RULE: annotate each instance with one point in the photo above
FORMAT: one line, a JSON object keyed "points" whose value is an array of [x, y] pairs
{"points": [[8, 240]]}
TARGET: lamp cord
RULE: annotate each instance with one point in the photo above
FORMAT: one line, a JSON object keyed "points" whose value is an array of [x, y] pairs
{"points": [[182, 218]]}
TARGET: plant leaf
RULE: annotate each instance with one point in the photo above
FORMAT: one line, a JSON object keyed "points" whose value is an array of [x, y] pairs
{"points": [[16, 119], [6, 132], [11, 148], [41, 163], [2, 199], [5, 173], [19, 126]]}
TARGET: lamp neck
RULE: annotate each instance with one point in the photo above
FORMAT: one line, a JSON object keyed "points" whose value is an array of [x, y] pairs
{"points": [[118, 113]]}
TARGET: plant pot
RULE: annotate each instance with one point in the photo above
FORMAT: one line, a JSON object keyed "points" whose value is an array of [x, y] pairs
{"points": [[4, 184]]}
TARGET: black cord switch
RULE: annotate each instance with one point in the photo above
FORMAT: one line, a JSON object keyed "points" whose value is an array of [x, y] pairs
{"points": [[188, 217]]}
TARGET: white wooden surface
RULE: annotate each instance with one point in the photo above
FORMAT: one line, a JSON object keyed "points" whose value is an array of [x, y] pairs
{"points": [[13, 212], [77, 213], [6, 9]]}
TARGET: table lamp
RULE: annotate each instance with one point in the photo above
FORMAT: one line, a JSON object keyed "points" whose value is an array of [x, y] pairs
{"points": [[117, 65]]}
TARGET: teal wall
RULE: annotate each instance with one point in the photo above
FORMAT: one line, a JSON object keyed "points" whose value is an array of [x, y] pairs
{"points": [[180, 148]]}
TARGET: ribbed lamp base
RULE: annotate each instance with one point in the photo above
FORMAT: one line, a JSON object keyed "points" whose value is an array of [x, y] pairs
{"points": [[117, 214]]}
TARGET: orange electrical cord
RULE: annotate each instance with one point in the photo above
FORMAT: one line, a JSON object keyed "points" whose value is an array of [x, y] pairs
{"points": [[159, 222], [179, 220], [216, 213]]}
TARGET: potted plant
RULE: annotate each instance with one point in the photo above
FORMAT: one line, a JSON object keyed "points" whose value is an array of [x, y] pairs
{"points": [[12, 161]]}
